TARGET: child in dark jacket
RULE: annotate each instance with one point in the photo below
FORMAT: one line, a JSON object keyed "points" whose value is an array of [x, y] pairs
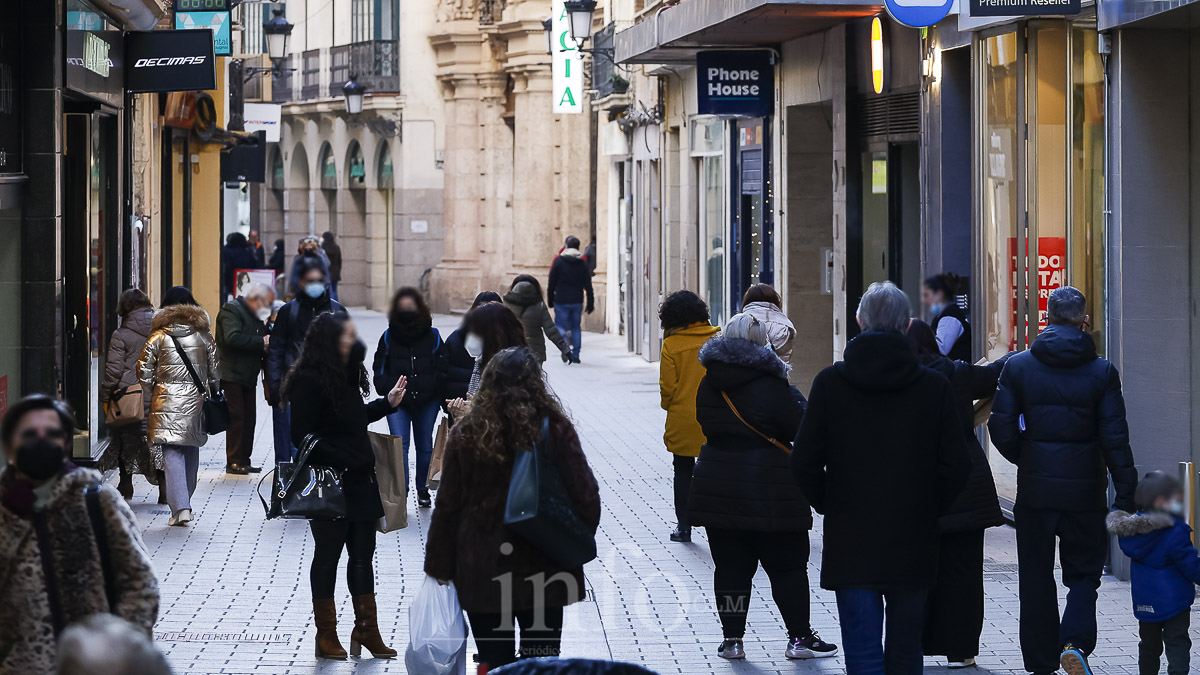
{"points": [[1166, 568]]}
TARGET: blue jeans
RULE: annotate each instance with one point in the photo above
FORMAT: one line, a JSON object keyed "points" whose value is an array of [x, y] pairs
{"points": [[281, 429], [567, 318], [862, 612], [333, 290], [421, 420]]}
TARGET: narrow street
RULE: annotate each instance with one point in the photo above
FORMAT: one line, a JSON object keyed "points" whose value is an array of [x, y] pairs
{"points": [[235, 593]]}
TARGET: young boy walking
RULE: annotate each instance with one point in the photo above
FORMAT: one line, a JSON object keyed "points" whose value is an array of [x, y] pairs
{"points": [[1166, 567]]}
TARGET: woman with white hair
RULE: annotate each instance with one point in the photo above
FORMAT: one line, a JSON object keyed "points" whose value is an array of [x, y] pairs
{"points": [[752, 510]]}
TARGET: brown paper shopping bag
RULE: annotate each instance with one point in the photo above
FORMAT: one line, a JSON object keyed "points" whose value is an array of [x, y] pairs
{"points": [[439, 453], [390, 472]]}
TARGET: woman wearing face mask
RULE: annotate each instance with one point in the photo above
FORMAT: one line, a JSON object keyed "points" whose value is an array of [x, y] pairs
{"points": [[179, 345], [325, 389], [47, 508], [950, 324], [456, 364], [411, 347], [490, 327]]}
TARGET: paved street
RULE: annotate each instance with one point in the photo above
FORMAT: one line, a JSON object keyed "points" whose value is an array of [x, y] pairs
{"points": [[235, 594]]}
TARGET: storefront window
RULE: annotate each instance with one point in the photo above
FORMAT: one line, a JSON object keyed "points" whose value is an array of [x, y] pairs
{"points": [[98, 330], [10, 304], [708, 147], [1002, 280], [1085, 262]]}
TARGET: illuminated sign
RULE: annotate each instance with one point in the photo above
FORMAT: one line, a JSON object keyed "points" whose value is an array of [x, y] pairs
{"points": [[877, 55]]}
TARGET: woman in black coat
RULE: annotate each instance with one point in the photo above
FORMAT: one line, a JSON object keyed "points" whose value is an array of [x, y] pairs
{"points": [[411, 348], [742, 491], [457, 364], [954, 612], [325, 388]]}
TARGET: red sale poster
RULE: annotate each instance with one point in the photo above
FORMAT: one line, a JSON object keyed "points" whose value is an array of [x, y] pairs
{"points": [[1051, 274]]}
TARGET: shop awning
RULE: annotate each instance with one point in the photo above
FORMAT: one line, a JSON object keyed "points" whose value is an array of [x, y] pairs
{"points": [[675, 33]]}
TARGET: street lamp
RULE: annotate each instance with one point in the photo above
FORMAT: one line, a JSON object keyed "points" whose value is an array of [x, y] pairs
{"points": [[579, 18], [353, 91], [548, 28], [277, 31]]}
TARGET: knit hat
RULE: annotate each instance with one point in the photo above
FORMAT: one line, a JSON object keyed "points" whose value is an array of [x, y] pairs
{"points": [[1155, 484]]}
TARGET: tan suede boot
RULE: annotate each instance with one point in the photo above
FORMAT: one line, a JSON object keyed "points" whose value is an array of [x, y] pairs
{"points": [[366, 630], [325, 617]]}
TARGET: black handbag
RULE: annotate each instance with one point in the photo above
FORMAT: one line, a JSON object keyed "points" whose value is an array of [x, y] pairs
{"points": [[215, 412], [305, 490], [540, 511]]}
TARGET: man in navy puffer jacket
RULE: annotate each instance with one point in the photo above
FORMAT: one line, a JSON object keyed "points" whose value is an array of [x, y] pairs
{"points": [[1059, 416]]}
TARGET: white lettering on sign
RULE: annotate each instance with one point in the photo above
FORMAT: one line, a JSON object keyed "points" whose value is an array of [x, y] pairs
{"points": [[721, 83], [566, 70], [170, 61]]}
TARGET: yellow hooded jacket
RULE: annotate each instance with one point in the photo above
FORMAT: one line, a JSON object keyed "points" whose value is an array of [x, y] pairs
{"points": [[680, 372]]}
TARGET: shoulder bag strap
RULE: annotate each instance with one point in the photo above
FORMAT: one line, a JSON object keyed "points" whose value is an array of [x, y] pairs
{"points": [[751, 427], [91, 495], [187, 363]]}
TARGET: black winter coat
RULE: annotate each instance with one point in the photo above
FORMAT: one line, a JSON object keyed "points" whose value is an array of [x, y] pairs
{"points": [[291, 325], [741, 480], [570, 281], [416, 358], [977, 507], [1060, 417], [881, 454], [456, 366], [342, 439]]}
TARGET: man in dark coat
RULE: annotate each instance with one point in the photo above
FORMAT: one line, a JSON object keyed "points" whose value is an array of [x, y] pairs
{"points": [[881, 454], [242, 341], [334, 253], [1060, 417], [570, 281]]}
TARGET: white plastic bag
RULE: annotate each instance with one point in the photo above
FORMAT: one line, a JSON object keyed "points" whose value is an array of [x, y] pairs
{"points": [[437, 633]]}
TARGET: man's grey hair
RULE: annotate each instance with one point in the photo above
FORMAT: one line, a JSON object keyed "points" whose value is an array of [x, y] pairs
{"points": [[746, 327], [257, 291], [884, 308], [1066, 306], [103, 644]]}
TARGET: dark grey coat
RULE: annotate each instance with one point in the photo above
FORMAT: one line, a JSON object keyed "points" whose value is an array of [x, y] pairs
{"points": [[525, 301]]}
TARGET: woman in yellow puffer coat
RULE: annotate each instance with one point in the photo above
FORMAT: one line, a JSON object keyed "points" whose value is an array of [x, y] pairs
{"points": [[686, 328]]}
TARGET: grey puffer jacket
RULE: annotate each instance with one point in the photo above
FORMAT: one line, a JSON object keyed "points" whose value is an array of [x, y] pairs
{"points": [[526, 302], [176, 404], [124, 350]]}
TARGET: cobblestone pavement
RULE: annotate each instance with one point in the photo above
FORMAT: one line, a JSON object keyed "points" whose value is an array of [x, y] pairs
{"points": [[235, 594]]}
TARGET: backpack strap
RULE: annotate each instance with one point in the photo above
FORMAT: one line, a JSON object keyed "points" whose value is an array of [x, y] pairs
{"points": [[437, 340], [91, 496]]}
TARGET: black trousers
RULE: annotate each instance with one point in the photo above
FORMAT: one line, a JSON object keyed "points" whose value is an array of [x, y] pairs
{"points": [[330, 537], [1082, 547], [784, 557], [496, 635], [239, 438], [954, 609], [684, 466], [1173, 633]]}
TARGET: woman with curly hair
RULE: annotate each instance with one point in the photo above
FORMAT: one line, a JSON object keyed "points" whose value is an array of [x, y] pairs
{"points": [[502, 579], [685, 327], [325, 388]]}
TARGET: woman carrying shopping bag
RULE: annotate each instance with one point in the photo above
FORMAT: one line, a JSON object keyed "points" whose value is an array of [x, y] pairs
{"points": [[494, 570], [325, 388]]}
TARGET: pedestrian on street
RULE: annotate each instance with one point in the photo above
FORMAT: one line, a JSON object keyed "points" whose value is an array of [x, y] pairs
{"points": [[242, 341], [411, 347], [278, 261], [954, 611], [457, 364], [333, 253], [287, 334], [260, 256], [237, 254], [570, 282], [60, 525], [502, 580], [763, 303], [1060, 417], [490, 328], [950, 323], [309, 252], [525, 300], [128, 451], [1164, 574], [752, 510], [685, 325], [325, 388], [881, 455], [179, 346]]}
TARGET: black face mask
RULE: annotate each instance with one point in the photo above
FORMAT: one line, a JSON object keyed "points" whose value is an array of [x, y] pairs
{"points": [[40, 458], [406, 316], [358, 353]]}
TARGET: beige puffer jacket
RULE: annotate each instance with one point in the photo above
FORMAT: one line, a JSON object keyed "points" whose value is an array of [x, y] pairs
{"points": [[780, 331], [176, 404]]}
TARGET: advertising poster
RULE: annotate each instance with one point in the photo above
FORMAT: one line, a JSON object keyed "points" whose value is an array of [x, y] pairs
{"points": [[244, 279], [1051, 275]]}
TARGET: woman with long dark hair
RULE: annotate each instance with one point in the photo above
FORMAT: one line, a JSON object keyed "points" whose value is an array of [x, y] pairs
{"points": [[411, 347], [527, 303], [325, 388], [457, 364], [490, 327], [499, 577]]}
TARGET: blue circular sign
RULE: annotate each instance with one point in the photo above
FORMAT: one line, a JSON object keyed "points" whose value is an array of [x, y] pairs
{"points": [[918, 13]]}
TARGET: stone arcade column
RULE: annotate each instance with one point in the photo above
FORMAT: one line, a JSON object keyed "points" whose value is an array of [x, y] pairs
{"points": [[457, 278]]}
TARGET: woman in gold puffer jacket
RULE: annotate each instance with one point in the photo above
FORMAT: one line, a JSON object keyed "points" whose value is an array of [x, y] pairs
{"points": [[176, 422]]}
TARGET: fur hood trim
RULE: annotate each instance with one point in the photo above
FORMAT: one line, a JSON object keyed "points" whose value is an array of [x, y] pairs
{"points": [[571, 253], [738, 352], [1125, 524], [181, 315]]}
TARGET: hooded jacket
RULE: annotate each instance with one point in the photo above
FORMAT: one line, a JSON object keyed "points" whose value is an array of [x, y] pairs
{"points": [[741, 480], [51, 572], [570, 280], [176, 403], [1166, 566], [679, 375], [882, 455], [124, 350], [525, 301], [291, 325], [1059, 416], [780, 331]]}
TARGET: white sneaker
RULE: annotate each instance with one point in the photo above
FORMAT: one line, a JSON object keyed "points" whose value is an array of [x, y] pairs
{"points": [[183, 517], [968, 662]]}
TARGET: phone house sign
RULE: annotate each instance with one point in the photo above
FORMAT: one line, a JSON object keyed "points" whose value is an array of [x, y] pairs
{"points": [[735, 83]]}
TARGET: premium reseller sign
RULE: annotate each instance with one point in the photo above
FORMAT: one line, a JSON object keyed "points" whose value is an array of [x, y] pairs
{"points": [[169, 60], [735, 83], [1024, 7], [567, 67]]}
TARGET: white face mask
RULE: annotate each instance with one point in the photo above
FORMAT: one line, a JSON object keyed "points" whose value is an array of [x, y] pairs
{"points": [[263, 313], [474, 345]]}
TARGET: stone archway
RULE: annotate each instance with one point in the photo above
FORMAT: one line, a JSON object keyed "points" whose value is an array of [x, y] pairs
{"points": [[297, 220], [357, 274]]}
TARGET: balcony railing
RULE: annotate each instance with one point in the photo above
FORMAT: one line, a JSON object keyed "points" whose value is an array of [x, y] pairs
{"points": [[376, 63], [310, 74], [606, 80], [339, 69]]}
